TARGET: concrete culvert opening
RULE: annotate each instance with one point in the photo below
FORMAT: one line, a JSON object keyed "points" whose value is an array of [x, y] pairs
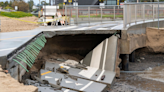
{"points": [[70, 47], [73, 51]]}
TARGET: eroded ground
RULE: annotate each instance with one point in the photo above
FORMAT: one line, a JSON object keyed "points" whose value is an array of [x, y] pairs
{"points": [[152, 80], [9, 84]]}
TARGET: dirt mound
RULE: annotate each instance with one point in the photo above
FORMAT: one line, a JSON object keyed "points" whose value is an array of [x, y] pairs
{"points": [[155, 39], [8, 84], [10, 25]]}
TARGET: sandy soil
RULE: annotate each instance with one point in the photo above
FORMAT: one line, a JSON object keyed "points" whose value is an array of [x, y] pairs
{"points": [[155, 39], [10, 25], [8, 84]]}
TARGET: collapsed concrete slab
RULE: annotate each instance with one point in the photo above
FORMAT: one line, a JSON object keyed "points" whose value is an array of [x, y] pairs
{"points": [[104, 56]]}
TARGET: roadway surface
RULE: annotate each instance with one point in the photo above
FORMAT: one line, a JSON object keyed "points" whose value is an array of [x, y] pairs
{"points": [[10, 41]]}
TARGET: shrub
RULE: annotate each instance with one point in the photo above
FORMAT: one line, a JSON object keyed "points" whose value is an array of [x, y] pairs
{"points": [[17, 14]]}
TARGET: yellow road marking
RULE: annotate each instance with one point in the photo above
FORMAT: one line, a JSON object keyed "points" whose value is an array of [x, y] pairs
{"points": [[45, 73], [17, 37]]}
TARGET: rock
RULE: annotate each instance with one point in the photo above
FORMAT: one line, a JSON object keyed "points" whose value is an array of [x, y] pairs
{"points": [[149, 68], [142, 58], [139, 60]]}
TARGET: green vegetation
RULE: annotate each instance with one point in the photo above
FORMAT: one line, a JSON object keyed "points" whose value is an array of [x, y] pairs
{"points": [[17, 14], [99, 16], [8, 7]]}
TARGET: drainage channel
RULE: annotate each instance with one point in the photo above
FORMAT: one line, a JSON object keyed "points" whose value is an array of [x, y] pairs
{"points": [[66, 67]]}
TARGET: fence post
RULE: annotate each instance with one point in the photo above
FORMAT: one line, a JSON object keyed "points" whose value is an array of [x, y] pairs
{"points": [[66, 14], [135, 13], [153, 12], [114, 11], [89, 15], [77, 15], [130, 14], [101, 14], [144, 12], [124, 15]]}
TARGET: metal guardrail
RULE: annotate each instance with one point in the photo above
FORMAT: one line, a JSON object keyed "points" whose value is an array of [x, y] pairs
{"points": [[137, 12]]}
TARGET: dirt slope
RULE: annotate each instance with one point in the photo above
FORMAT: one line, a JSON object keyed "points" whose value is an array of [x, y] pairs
{"points": [[155, 39], [8, 84], [10, 25]]}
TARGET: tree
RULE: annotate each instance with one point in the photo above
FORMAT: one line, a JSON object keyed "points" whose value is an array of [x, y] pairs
{"points": [[30, 3], [10, 3], [6, 3], [101, 1], [22, 6], [43, 3], [2, 4]]}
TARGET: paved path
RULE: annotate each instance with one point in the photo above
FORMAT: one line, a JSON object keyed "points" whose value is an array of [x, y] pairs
{"points": [[12, 40]]}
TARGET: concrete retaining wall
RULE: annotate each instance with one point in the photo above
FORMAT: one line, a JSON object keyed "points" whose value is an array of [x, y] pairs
{"points": [[134, 37]]}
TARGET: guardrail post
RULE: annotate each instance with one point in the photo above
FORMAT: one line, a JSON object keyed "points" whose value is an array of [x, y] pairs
{"points": [[135, 13], [143, 12], [89, 15], [101, 14], [124, 15], [114, 11]]}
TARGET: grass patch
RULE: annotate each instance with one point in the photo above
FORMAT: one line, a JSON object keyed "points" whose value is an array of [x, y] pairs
{"points": [[17, 14], [99, 16]]}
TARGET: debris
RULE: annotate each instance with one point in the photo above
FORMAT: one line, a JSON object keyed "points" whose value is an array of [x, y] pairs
{"points": [[62, 70], [72, 77], [29, 82], [5, 71], [58, 82], [59, 59], [139, 60], [65, 76], [103, 77], [39, 80], [149, 69], [142, 58], [81, 66]]}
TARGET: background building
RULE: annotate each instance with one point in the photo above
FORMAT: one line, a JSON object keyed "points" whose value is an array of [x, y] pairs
{"points": [[91, 2]]}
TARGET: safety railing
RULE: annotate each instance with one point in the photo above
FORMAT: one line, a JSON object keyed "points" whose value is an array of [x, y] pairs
{"points": [[141, 12], [129, 13], [93, 13]]}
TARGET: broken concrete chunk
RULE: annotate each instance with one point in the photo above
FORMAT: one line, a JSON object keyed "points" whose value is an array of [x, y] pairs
{"points": [[139, 60], [142, 58]]}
